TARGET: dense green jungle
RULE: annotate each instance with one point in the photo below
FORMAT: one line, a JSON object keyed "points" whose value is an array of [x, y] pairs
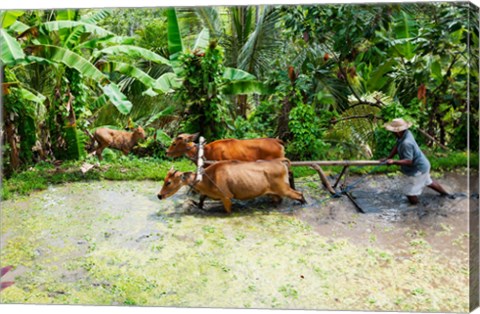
{"points": [[321, 78]]}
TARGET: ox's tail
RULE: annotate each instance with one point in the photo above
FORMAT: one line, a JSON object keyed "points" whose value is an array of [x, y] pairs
{"points": [[288, 165], [91, 144]]}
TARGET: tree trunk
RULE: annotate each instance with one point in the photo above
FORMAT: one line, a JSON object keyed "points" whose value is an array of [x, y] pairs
{"points": [[283, 130], [242, 106], [11, 138]]}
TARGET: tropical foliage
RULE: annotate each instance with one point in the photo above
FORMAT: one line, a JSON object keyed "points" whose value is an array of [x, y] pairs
{"points": [[322, 78]]}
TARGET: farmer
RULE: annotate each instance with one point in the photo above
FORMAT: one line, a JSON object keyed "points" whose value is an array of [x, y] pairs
{"points": [[412, 162]]}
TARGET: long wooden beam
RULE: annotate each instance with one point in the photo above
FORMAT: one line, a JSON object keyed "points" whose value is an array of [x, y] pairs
{"points": [[327, 163], [337, 163]]}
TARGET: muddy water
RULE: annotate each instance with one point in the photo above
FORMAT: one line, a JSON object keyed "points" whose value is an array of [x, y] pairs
{"points": [[116, 243], [389, 218]]}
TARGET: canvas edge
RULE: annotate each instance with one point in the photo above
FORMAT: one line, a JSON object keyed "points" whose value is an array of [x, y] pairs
{"points": [[473, 210]]}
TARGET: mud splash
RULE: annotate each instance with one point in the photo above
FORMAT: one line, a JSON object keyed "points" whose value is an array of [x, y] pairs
{"points": [[115, 243]]}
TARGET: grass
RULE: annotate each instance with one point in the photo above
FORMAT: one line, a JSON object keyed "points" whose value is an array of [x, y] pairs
{"points": [[44, 174], [130, 167]]}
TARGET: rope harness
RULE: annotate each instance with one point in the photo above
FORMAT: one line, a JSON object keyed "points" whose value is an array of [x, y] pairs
{"points": [[195, 182]]}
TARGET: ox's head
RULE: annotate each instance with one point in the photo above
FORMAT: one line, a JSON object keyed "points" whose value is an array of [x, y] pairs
{"points": [[172, 183], [139, 132], [181, 145]]}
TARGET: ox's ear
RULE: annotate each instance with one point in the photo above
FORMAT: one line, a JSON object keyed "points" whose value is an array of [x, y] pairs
{"points": [[192, 137], [171, 169]]}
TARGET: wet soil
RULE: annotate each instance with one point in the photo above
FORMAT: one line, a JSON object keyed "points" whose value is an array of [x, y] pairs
{"points": [[384, 208], [115, 243]]}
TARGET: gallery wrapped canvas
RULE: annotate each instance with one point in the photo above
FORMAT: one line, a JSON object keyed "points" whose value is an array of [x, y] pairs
{"points": [[318, 156]]}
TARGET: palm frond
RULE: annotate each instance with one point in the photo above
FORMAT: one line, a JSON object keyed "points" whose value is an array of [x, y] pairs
{"points": [[262, 45], [357, 125], [210, 17]]}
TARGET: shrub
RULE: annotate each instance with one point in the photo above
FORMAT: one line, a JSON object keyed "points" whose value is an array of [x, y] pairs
{"points": [[307, 132]]}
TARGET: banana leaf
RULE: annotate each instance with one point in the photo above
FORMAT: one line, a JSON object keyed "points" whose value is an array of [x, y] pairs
{"points": [[88, 70], [118, 99], [110, 39], [9, 17], [58, 25], [245, 88], [175, 46], [232, 74], [169, 81], [28, 95], [378, 77], [11, 51], [405, 30], [138, 74], [133, 52], [66, 15], [18, 27], [71, 38], [72, 60]]}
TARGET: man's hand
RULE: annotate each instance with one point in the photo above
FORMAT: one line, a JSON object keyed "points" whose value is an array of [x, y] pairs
{"points": [[390, 162]]}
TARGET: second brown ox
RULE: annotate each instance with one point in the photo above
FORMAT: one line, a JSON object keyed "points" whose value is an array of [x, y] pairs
{"points": [[228, 149], [227, 180]]}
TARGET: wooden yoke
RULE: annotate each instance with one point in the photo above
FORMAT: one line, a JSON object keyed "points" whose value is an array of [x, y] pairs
{"points": [[200, 160]]}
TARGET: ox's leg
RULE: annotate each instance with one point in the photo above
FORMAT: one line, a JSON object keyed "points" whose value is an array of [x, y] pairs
{"points": [[291, 179], [99, 151], [200, 201], [296, 196], [277, 199], [227, 203]]}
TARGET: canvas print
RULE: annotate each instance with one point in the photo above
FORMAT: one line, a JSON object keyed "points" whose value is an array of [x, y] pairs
{"points": [[320, 157]]}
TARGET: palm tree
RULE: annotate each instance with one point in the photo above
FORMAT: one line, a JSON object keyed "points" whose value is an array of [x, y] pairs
{"points": [[250, 37]]}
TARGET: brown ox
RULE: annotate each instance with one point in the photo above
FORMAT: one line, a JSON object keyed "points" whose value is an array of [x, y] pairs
{"points": [[228, 149], [121, 140], [241, 180]]}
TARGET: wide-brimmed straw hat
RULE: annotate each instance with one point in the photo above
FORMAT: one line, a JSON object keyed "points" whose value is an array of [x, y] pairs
{"points": [[397, 125]]}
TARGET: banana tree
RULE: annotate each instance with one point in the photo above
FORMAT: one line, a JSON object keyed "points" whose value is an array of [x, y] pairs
{"points": [[67, 60]]}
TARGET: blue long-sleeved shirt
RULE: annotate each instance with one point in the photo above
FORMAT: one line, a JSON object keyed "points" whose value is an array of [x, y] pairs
{"points": [[408, 149]]}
